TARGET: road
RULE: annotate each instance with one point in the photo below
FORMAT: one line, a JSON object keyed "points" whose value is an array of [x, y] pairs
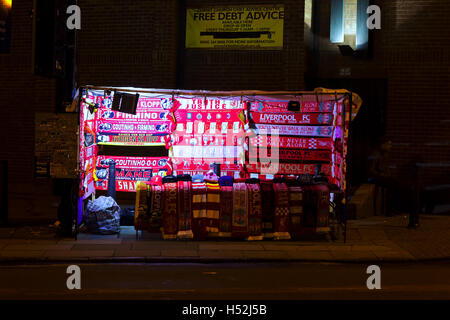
{"points": [[226, 281]]}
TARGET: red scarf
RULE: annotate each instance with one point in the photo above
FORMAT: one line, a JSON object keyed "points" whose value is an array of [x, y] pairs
{"points": [[291, 142], [199, 217], [240, 211], [292, 130], [226, 211], [267, 208], [156, 208], [184, 209], [170, 216], [254, 212], [295, 209], [289, 155], [292, 118], [281, 223]]}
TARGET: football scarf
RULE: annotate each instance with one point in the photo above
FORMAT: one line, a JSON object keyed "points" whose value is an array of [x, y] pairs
{"points": [[267, 208], [184, 210], [226, 210], [291, 118], [212, 207], [199, 216], [170, 217], [200, 127], [282, 106], [240, 219], [289, 155], [290, 130], [156, 207], [291, 142], [283, 168], [215, 152], [141, 213], [254, 212], [183, 115], [295, 209], [218, 139], [281, 222]]}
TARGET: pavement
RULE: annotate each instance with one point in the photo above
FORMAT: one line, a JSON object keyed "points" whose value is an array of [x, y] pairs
{"points": [[372, 239]]}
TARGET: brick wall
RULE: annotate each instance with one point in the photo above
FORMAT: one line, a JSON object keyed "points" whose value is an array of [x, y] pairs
{"points": [[21, 95], [246, 69], [411, 51]]}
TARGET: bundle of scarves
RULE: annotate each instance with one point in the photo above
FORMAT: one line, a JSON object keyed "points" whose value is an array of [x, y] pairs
{"points": [[254, 210], [268, 209], [281, 221], [226, 207], [295, 209], [156, 205], [212, 207], [170, 215], [239, 227], [199, 216], [184, 207], [141, 212]]}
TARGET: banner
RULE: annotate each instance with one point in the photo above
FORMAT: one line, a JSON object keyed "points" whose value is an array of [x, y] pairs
{"points": [[292, 118], [287, 130], [282, 106], [289, 155], [237, 27], [227, 152], [207, 140], [129, 171], [108, 138], [292, 142]]}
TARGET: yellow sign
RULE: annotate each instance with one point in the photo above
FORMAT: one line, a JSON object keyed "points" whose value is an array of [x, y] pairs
{"points": [[237, 27]]}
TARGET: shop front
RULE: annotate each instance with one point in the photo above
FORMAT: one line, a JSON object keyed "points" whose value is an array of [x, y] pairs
{"points": [[248, 165]]}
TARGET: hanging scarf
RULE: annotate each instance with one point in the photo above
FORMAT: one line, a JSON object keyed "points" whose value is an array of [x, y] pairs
{"points": [[268, 209], [291, 118], [170, 217], [212, 207], [199, 216], [240, 212], [141, 213], [156, 208], [290, 130], [295, 209], [282, 106], [291, 142], [281, 223], [254, 212], [226, 210], [289, 155], [184, 209]]}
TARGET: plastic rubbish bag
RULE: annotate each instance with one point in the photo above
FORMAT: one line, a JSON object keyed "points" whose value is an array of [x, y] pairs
{"points": [[103, 216]]}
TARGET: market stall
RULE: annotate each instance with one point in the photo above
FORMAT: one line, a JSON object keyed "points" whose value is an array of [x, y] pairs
{"points": [[248, 164]]}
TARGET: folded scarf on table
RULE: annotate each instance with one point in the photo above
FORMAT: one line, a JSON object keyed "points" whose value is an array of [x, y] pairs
{"points": [[281, 223], [212, 207], [141, 212], [156, 205], [226, 210], [295, 209], [199, 216], [184, 209], [254, 212], [267, 208], [226, 181], [240, 213], [170, 216]]}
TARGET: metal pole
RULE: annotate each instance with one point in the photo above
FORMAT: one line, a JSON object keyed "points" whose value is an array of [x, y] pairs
{"points": [[347, 162], [112, 180], [4, 193]]}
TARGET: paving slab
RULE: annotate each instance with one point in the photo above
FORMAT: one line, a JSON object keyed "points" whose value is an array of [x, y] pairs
{"points": [[179, 253], [311, 255], [79, 253], [36, 247], [137, 253], [22, 254], [95, 247]]}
